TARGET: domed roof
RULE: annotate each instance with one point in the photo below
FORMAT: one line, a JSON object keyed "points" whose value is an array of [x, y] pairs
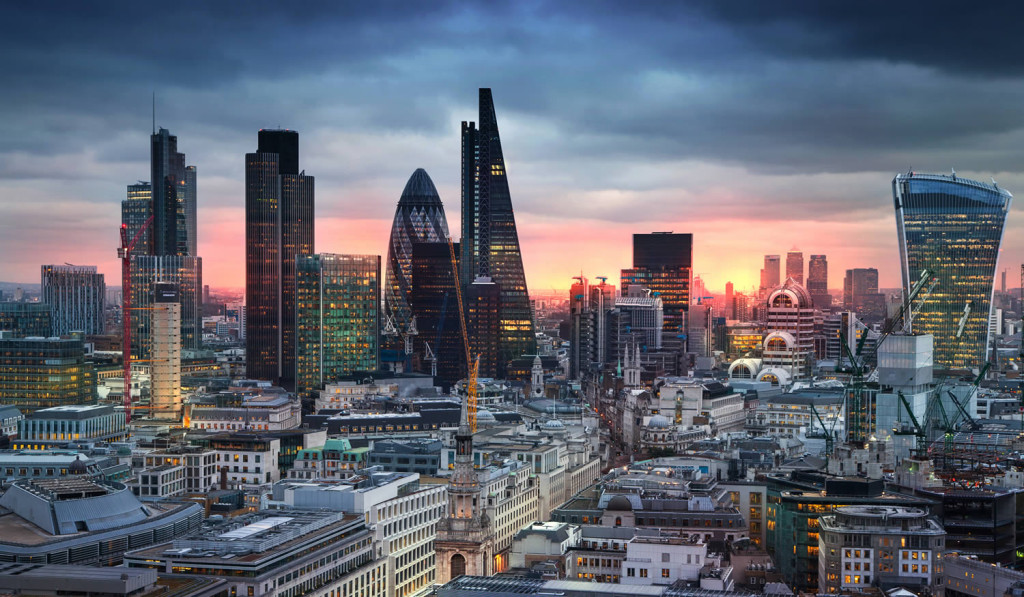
{"points": [[553, 424], [78, 467], [420, 190], [619, 502], [485, 416], [659, 422], [792, 293]]}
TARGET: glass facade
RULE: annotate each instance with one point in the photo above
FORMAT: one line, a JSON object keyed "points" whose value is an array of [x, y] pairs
{"points": [[952, 226], [337, 318], [490, 242], [41, 373], [135, 210], [76, 295], [25, 319], [663, 263], [173, 197], [435, 305], [278, 227], [419, 218], [184, 272]]}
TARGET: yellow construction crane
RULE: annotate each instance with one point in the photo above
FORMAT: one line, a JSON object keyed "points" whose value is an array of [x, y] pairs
{"points": [[472, 364]]}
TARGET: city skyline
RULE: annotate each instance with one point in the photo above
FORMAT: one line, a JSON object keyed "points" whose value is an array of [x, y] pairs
{"points": [[769, 167]]}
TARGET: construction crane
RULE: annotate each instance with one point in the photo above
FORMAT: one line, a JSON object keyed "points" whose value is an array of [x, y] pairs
{"points": [[472, 364], [853, 396], [124, 253]]}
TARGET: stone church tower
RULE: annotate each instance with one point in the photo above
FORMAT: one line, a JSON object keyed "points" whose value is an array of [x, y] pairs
{"points": [[465, 542]]}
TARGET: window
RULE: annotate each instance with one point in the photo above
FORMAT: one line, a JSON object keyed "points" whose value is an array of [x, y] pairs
{"points": [[664, 572], [665, 557], [630, 572], [643, 573]]}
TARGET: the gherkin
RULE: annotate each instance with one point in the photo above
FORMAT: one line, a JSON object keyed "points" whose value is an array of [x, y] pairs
{"points": [[419, 218]]}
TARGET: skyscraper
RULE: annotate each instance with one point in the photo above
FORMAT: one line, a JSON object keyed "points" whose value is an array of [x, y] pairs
{"points": [[860, 294], [21, 320], [663, 263], [278, 227], [173, 197], [771, 274], [135, 210], [490, 242], [953, 227], [419, 218], [337, 318], [76, 295], [435, 305], [165, 401], [817, 281], [186, 274], [795, 266]]}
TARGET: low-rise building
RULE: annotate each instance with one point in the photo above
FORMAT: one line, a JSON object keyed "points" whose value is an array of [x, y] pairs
{"points": [[282, 554], [77, 520], [199, 466], [245, 408], [543, 542], [879, 546], [336, 459], [414, 455], [79, 423], [9, 418], [967, 576]]}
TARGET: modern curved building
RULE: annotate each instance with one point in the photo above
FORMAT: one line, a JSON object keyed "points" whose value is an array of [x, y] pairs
{"points": [[952, 226], [789, 330], [419, 218]]}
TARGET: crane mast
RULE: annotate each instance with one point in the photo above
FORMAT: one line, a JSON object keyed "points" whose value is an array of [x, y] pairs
{"points": [[472, 364], [124, 253]]}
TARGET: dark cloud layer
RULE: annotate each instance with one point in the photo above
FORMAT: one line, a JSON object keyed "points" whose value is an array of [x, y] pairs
{"points": [[694, 109]]}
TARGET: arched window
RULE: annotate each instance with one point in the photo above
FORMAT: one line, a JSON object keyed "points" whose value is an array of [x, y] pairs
{"points": [[458, 565], [618, 521]]}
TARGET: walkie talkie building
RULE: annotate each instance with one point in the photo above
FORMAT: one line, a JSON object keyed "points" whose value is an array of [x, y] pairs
{"points": [[952, 226]]}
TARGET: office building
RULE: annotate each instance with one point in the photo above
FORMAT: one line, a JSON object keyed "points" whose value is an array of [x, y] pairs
{"points": [[278, 227], [966, 576], [76, 295], [879, 546], [582, 323], [663, 263], [287, 553], [490, 242], [25, 319], [482, 302], [860, 293], [173, 188], [60, 425], [771, 273], [817, 281], [952, 227], [73, 519], [185, 273], [419, 218], [789, 331], [435, 304], [37, 373], [165, 369], [136, 209], [795, 266], [337, 316]]}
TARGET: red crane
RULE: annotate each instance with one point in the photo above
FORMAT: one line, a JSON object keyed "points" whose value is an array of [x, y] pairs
{"points": [[124, 253]]}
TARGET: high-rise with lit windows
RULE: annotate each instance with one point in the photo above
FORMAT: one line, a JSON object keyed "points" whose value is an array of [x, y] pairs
{"points": [[490, 242], [278, 227], [953, 227], [663, 263], [337, 318]]}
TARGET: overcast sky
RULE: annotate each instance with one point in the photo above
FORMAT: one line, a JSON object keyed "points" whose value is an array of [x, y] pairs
{"points": [[757, 126]]}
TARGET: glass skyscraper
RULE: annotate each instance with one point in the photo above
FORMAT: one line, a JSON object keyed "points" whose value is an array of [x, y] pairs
{"points": [[490, 242], [184, 272], [135, 210], [278, 227], [663, 263], [435, 305], [952, 226], [419, 218], [337, 318]]}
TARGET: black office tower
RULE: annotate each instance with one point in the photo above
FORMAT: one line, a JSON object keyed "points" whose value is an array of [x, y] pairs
{"points": [[663, 263], [435, 304], [278, 227], [173, 199], [490, 242]]}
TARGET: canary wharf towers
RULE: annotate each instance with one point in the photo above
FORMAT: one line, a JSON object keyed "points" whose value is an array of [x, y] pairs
{"points": [[490, 243], [952, 226]]}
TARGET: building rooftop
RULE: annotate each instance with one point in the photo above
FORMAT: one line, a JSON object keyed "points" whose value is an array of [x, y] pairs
{"points": [[74, 411]]}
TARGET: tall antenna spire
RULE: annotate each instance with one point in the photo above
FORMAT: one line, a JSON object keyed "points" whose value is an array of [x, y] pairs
{"points": [[154, 111]]}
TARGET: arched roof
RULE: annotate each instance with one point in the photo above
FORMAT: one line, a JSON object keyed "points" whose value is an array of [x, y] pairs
{"points": [[796, 294], [786, 337]]}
